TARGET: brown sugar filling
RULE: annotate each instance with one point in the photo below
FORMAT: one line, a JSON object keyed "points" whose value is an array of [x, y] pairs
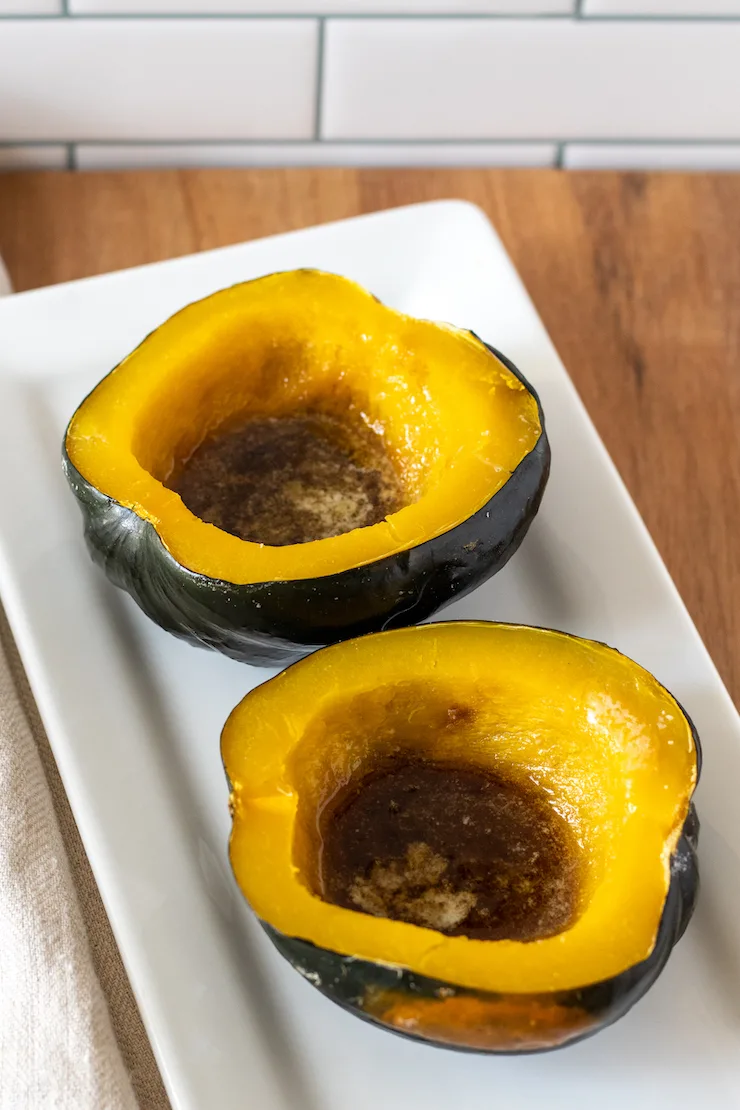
{"points": [[293, 479], [456, 849]]}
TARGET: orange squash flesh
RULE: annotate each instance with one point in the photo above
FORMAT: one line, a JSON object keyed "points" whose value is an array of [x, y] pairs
{"points": [[611, 745], [455, 421]]}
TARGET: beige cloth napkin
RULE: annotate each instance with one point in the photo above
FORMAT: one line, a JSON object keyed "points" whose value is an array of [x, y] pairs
{"points": [[70, 1034], [57, 1047]]}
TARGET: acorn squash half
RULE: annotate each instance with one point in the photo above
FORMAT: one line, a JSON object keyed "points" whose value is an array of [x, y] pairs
{"points": [[478, 835], [288, 463]]}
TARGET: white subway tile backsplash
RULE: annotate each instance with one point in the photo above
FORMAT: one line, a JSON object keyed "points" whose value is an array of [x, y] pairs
{"points": [[324, 7], [697, 8], [633, 84], [530, 79], [51, 157], [157, 79], [98, 156], [651, 156], [31, 7]]}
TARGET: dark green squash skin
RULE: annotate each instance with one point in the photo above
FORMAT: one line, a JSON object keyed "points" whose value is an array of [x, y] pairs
{"points": [[351, 982], [273, 623]]}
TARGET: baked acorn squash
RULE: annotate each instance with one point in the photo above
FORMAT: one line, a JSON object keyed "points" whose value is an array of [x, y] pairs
{"points": [[288, 463], [478, 835]]}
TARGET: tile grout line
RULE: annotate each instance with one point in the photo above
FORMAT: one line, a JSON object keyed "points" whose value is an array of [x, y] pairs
{"points": [[577, 15], [410, 142], [318, 121]]}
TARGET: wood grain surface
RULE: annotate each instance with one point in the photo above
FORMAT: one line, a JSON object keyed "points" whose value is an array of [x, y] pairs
{"points": [[636, 276]]}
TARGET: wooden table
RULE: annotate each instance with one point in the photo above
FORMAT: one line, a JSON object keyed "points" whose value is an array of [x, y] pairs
{"points": [[636, 276]]}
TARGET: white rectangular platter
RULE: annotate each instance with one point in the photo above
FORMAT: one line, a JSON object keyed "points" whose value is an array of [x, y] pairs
{"points": [[134, 716]]}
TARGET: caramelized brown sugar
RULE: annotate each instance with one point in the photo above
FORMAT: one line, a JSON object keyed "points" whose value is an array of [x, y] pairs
{"points": [[457, 849], [291, 479]]}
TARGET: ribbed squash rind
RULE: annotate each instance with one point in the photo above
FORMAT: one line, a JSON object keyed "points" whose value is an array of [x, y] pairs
{"points": [[273, 623], [281, 754], [359, 985]]}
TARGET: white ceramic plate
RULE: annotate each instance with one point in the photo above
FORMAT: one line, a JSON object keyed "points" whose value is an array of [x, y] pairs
{"points": [[134, 716]]}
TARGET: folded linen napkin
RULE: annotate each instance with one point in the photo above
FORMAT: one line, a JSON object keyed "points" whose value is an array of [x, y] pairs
{"points": [[57, 1047], [58, 1050], [5, 286]]}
